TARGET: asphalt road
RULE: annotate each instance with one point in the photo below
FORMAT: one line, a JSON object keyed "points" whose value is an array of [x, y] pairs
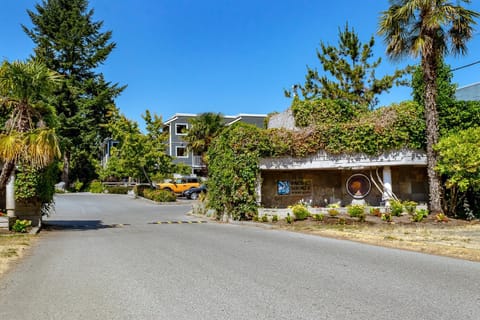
{"points": [[103, 260]]}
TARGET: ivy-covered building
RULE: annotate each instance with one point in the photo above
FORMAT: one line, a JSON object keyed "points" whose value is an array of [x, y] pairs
{"points": [[325, 178]]}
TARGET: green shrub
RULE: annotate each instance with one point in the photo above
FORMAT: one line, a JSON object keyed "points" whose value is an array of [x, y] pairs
{"points": [[21, 225], [396, 207], [31, 183], [424, 212], [264, 218], [387, 217], [159, 195], [300, 212], [361, 217], [356, 210], [96, 187], [375, 212], [77, 185], [441, 217], [147, 193], [333, 205], [410, 207], [164, 196], [288, 218], [333, 212], [318, 217], [117, 189], [419, 215], [275, 218], [255, 218], [138, 189]]}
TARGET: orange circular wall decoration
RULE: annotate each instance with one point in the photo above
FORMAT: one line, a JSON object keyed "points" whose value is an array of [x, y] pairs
{"points": [[358, 186]]}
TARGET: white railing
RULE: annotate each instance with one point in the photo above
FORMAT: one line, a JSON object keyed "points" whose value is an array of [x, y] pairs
{"points": [[198, 162]]}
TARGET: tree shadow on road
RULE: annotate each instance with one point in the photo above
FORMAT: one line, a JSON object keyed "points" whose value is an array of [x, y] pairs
{"points": [[76, 225]]}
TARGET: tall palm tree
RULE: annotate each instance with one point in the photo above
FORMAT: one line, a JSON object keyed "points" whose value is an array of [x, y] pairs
{"points": [[25, 88], [429, 29], [203, 129]]}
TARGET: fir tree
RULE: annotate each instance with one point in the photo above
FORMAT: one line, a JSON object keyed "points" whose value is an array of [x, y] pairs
{"points": [[349, 73], [69, 42]]}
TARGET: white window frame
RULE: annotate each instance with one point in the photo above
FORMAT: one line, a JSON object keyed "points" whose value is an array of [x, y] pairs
{"points": [[181, 124], [186, 152]]}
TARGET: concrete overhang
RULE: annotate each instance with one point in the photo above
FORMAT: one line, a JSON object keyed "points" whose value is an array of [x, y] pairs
{"points": [[326, 161]]}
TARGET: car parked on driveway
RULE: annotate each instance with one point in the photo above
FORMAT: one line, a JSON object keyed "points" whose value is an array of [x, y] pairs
{"points": [[180, 185], [194, 193]]}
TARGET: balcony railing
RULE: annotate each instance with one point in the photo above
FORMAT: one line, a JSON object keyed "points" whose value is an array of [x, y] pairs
{"points": [[198, 162]]}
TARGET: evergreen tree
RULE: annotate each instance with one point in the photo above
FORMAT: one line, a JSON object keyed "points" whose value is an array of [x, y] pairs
{"points": [[349, 73], [69, 42], [453, 115]]}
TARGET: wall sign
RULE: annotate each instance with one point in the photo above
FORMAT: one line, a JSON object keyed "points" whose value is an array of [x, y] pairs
{"points": [[283, 188], [294, 187]]}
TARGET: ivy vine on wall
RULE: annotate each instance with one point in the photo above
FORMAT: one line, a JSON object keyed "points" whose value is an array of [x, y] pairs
{"points": [[32, 183], [235, 154]]}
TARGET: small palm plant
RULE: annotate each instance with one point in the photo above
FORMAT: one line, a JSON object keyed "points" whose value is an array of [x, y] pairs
{"points": [[25, 91]]}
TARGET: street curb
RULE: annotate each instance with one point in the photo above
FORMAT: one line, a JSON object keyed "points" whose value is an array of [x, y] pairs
{"points": [[251, 224], [35, 230]]}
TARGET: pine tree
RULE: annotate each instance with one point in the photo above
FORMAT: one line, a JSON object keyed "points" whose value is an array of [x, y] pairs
{"points": [[349, 73], [69, 42]]}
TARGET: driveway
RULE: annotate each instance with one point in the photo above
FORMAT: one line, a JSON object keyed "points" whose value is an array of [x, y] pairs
{"points": [[102, 259]]}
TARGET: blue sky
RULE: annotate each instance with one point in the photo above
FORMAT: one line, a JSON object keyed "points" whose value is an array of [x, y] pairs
{"points": [[192, 56]]}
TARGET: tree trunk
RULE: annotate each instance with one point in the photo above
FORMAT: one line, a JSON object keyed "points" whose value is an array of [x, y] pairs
{"points": [[7, 169], [66, 169], [429, 65]]}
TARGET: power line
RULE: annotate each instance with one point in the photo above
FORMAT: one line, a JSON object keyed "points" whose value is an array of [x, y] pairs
{"points": [[466, 66], [470, 64]]}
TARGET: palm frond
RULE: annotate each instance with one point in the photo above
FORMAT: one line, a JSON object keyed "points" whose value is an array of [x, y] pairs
{"points": [[42, 147], [11, 146]]}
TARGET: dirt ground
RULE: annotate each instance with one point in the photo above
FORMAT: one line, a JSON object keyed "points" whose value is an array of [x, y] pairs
{"points": [[454, 238], [12, 248]]}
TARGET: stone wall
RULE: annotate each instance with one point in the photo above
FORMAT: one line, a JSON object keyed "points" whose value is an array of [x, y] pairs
{"points": [[322, 187], [282, 120], [29, 210], [410, 183]]}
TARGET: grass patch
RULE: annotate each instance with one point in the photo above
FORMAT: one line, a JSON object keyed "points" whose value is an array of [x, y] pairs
{"points": [[454, 241], [12, 247], [8, 253]]}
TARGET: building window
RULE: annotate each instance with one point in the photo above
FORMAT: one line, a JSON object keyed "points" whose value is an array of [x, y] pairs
{"points": [[181, 152], [181, 129]]}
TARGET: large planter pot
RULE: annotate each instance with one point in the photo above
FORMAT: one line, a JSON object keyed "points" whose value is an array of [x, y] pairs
{"points": [[29, 209]]}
